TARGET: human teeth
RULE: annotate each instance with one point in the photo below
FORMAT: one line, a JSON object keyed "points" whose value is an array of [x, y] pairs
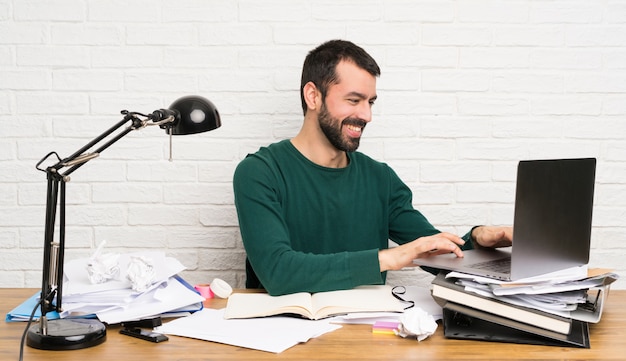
{"points": [[354, 128]]}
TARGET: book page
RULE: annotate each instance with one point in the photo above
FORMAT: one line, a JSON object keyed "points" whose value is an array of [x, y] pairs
{"points": [[248, 305], [359, 299]]}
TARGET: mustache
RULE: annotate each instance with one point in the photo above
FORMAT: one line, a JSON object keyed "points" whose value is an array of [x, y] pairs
{"points": [[355, 121]]}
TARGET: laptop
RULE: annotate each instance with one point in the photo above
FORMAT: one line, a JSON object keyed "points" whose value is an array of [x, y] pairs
{"points": [[551, 225]]}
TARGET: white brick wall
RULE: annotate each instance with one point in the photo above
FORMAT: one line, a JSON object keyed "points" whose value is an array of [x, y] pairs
{"points": [[468, 88]]}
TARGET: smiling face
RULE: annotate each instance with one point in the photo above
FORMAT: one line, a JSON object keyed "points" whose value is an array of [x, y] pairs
{"points": [[347, 107]]}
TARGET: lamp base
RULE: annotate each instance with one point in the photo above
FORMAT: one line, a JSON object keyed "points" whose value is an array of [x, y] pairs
{"points": [[67, 334]]}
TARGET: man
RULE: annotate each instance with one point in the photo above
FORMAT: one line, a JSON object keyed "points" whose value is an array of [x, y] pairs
{"points": [[314, 214]]}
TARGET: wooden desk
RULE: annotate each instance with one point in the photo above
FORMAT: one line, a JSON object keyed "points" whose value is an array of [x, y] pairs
{"points": [[351, 342]]}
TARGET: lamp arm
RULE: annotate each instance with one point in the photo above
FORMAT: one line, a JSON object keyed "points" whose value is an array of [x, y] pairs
{"points": [[80, 157]]}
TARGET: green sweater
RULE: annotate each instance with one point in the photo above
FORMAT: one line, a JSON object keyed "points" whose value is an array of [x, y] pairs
{"points": [[310, 228]]}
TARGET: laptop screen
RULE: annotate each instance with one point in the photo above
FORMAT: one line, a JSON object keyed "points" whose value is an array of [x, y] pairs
{"points": [[553, 210]]}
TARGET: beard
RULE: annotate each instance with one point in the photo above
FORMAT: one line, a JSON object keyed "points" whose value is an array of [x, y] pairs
{"points": [[331, 127]]}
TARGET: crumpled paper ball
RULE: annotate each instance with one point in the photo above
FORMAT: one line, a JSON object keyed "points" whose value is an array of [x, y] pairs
{"points": [[103, 267], [416, 322], [141, 273]]}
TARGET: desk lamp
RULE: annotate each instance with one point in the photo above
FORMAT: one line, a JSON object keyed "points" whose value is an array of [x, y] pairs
{"points": [[187, 115]]}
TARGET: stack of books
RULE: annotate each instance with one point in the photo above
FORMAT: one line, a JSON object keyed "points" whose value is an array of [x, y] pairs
{"points": [[544, 313]]}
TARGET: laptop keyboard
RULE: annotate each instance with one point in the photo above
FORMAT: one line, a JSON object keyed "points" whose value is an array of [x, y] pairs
{"points": [[502, 265]]}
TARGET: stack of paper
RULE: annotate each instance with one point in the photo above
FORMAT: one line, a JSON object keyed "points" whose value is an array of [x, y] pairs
{"points": [[115, 301], [556, 306], [578, 296]]}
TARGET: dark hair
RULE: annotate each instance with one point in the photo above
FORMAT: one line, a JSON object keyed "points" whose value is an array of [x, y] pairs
{"points": [[321, 63]]}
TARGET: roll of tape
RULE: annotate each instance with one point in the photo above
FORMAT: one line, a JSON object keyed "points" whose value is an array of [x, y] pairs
{"points": [[220, 288], [205, 290]]}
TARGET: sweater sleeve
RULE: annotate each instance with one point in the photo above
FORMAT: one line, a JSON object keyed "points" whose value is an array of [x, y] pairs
{"points": [[279, 268], [405, 222]]}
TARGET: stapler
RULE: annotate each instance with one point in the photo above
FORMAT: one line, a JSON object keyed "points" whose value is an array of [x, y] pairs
{"points": [[134, 329]]}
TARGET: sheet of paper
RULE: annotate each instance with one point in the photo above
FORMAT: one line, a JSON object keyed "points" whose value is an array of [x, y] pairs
{"points": [[423, 299], [366, 318], [271, 334], [569, 274], [535, 289]]}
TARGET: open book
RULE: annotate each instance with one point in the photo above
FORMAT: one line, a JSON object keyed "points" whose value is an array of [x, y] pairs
{"points": [[314, 306]]}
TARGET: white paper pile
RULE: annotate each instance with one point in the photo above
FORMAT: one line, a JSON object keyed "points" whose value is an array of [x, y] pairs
{"points": [[115, 300], [565, 293]]}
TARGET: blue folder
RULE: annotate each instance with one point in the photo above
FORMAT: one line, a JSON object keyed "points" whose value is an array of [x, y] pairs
{"points": [[22, 312]]}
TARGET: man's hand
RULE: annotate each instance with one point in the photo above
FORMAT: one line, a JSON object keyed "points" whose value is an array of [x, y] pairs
{"points": [[493, 237], [402, 256]]}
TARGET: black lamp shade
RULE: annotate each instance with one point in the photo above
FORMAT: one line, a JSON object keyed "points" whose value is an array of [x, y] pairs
{"points": [[196, 115]]}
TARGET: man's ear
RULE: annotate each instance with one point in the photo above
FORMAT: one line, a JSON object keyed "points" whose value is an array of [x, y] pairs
{"points": [[312, 96]]}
